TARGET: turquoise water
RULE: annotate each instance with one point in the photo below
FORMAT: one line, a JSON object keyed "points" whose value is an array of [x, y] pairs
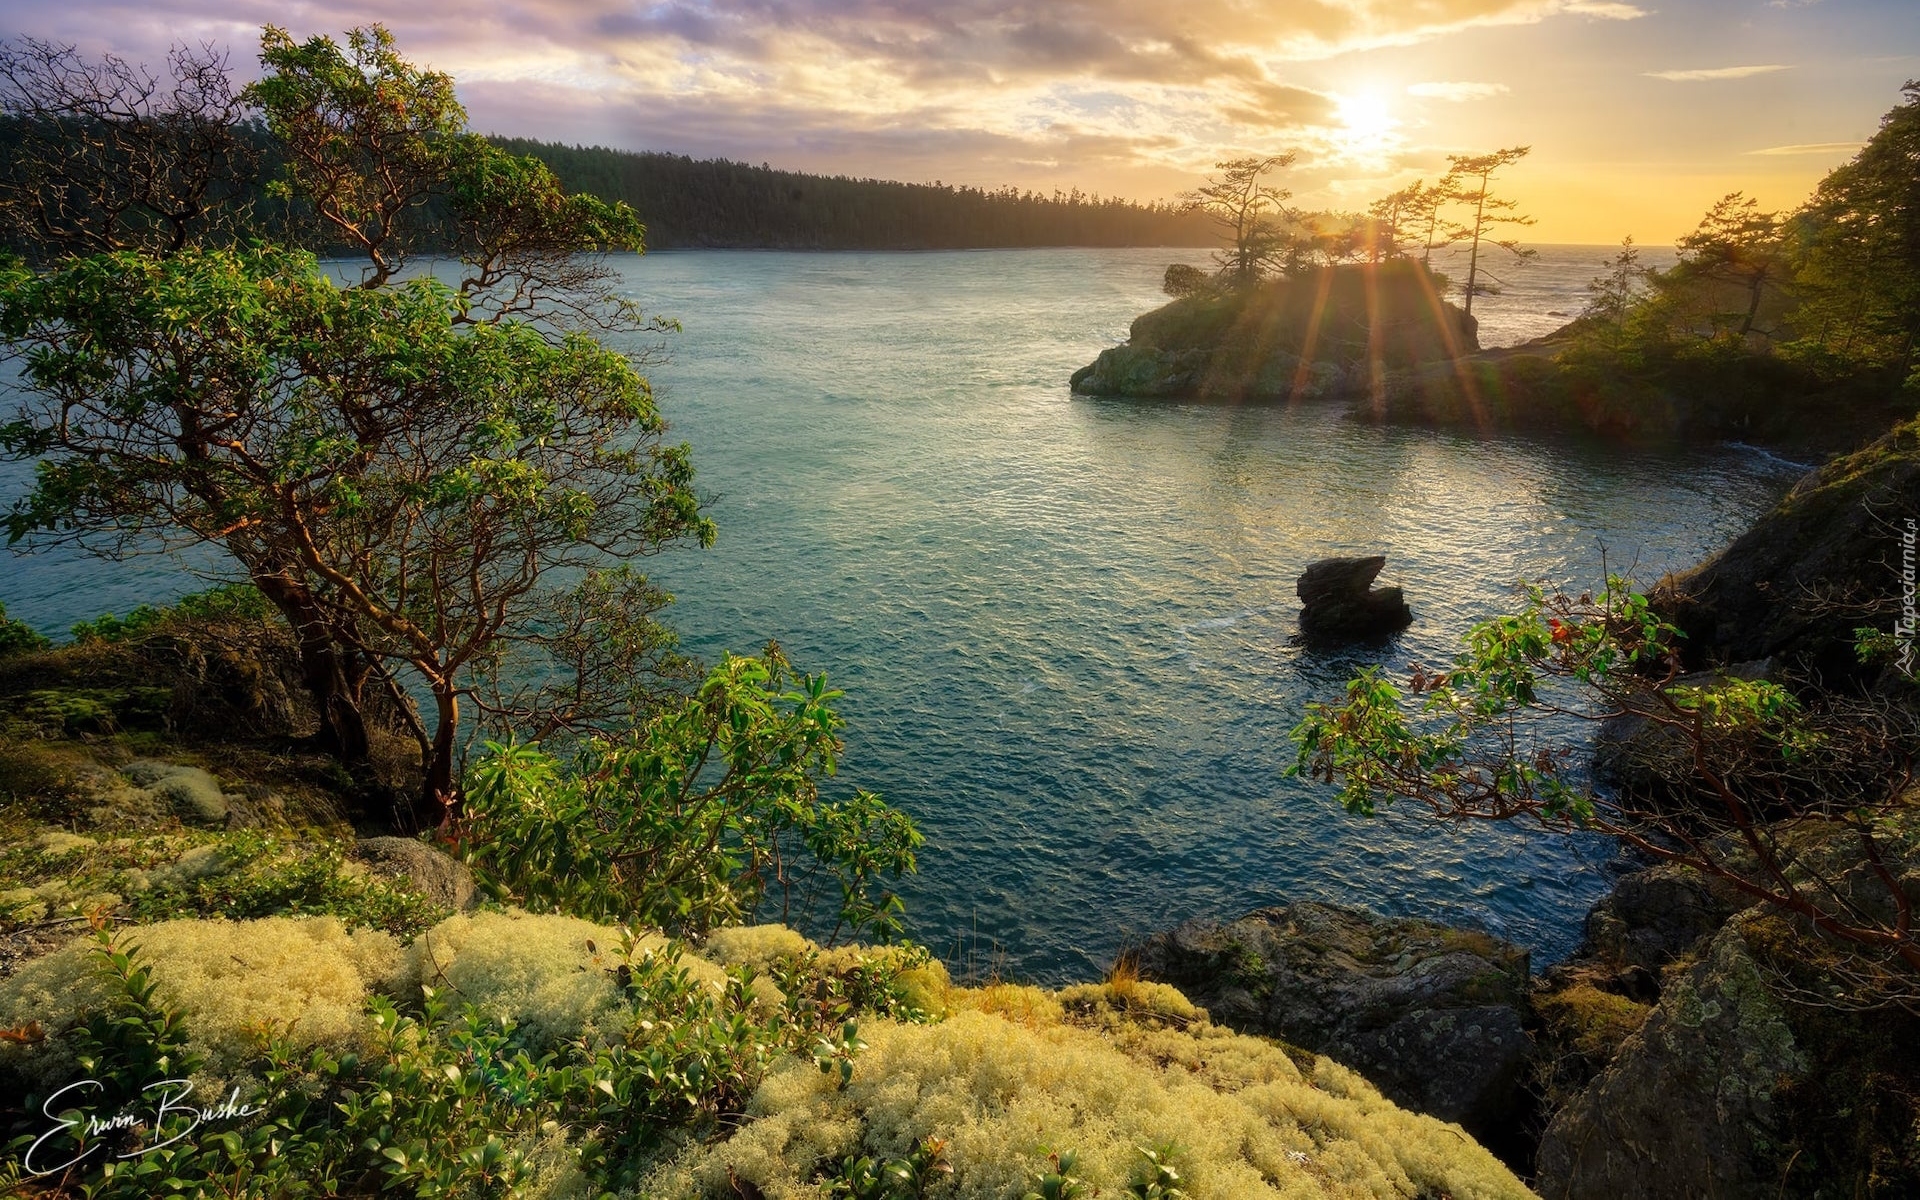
{"points": [[1063, 624]]}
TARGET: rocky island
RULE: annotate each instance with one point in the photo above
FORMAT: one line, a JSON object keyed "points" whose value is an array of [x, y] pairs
{"points": [[1336, 331]]}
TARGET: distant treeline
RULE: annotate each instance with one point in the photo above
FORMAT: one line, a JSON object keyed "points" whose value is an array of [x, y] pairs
{"points": [[687, 202], [712, 202]]}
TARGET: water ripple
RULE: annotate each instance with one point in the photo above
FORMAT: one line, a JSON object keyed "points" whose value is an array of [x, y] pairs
{"points": [[1063, 624]]}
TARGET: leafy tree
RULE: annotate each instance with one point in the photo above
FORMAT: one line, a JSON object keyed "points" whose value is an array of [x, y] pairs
{"points": [[1859, 253], [1246, 211], [1730, 264], [1766, 787], [1472, 176], [402, 468]]}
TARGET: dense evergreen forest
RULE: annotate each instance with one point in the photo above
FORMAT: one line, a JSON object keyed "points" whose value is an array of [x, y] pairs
{"points": [[713, 202]]}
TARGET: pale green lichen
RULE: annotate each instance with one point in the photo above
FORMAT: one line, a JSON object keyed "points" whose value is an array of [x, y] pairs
{"points": [[1005, 1080], [551, 975], [309, 976]]}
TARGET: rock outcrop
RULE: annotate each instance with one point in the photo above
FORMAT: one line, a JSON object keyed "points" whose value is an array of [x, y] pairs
{"points": [[1432, 1016], [1688, 1106], [1824, 562], [1334, 332], [1338, 600], [1655, 916], [428, 871]]}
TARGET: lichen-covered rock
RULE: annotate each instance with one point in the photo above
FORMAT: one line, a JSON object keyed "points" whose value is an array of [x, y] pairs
{"points": [[310, 976], [1434, 1016], [552, 976], [191, 793], [1688, 1106], [1338, 600], [428, 871]]}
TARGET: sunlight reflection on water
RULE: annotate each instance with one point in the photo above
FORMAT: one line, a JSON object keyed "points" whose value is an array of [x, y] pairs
{"points": [[1063, 624]]}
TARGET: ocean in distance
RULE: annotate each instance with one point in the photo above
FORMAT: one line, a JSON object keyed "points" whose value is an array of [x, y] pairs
{"points": [[1062, 623]]}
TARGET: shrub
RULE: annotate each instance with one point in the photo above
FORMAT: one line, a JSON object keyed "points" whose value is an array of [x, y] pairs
{"points": [[1182, 279], [18, 637], [686, 823]]}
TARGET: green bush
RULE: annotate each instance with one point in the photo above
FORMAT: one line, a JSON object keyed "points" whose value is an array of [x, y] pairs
{"points": [[228, 602], [688, 822], [18, 637]]}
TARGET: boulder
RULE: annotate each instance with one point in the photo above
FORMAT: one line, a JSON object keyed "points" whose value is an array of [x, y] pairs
{"points": [[1433, 1016], [1823, 563], [188, 792], [428, 871], [1656, 915], [1687, 1107], [1338, 600]]}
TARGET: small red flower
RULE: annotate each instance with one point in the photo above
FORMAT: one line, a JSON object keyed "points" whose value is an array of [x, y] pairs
{"points": [[1561, 633]]}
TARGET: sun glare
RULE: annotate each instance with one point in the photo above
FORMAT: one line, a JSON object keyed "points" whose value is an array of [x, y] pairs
{"points": [[1366, 124]]}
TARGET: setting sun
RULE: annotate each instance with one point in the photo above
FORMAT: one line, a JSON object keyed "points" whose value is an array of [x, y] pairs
{"points": [[1366, 125]]}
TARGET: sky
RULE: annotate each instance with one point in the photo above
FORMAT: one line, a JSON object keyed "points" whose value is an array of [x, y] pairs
{"points": [[1639, 115]]}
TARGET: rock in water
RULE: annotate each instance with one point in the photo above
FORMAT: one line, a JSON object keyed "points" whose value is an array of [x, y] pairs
{"points": [[1338, 600], [1432, 1016]]}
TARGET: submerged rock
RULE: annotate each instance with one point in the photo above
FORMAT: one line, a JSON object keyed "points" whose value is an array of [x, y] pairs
{"points": [[1432, 1016], [1338, 600]]}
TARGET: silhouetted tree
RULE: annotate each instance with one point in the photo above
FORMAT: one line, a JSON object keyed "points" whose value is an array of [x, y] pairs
{"points": [[103, 156], [1473, 181], [1247, 212], [1738, 249]]}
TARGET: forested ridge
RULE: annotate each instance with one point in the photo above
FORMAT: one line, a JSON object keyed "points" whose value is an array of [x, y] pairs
{"points": [[714, 202]]}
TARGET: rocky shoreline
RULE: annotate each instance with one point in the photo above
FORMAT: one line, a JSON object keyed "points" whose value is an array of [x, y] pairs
{"points": [[1699, 1042]]}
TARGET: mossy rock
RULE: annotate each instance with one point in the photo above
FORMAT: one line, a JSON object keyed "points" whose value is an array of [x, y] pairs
{"points": [[1434, 1016], [1688, 1106]]}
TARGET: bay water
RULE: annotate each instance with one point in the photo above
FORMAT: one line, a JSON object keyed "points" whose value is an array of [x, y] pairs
{"points": [[1063, 625]]}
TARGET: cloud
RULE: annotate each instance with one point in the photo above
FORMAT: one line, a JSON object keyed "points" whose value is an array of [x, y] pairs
{"points": [[1606, 10], [1140, 89], [1694, 76], [1812, 148], [1456, 91]]}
